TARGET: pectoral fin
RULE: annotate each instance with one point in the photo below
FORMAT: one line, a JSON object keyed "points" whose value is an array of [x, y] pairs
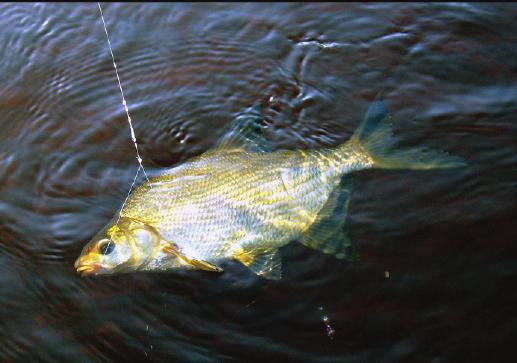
{"points": [[203, 265], [265, 263], [327, 233], [191, 261]]}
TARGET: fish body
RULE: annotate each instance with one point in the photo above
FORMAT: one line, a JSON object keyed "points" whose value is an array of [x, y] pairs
{"points": [[242, 201], [223, 203]]}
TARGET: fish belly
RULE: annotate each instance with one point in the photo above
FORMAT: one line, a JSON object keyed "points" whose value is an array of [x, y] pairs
{"points": [[220, 204]]}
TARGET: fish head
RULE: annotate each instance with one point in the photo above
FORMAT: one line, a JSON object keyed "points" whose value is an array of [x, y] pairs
{"points": [[125, 246]]}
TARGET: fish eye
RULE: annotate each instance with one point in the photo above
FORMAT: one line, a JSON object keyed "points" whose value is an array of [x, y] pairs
{"points": [[106, 246]]}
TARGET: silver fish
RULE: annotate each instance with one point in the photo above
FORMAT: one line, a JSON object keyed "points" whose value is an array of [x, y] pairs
{"points": [[242, 201]]}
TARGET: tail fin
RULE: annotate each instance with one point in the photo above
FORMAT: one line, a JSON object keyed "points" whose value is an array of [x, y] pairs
{"points": [[375, 135]]}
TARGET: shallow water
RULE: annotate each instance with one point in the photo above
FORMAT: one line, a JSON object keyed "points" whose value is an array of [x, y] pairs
{"points": [[435, 279]]}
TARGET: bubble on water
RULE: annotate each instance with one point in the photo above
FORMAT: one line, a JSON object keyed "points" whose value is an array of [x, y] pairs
{"points": [[326, 320]]}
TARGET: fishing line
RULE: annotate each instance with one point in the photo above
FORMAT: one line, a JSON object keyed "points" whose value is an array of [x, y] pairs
{"points": [[124, 103], [133, 136]]}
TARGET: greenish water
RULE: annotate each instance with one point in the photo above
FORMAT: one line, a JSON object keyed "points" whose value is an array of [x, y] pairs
{"points": [[438, 256]]}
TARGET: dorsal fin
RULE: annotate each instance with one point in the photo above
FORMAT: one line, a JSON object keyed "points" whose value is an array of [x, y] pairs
{"points": [[327, 233], [246, 132]]}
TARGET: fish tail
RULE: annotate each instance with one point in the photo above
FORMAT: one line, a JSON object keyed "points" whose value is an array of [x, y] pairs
{"points": [[375, 136]]}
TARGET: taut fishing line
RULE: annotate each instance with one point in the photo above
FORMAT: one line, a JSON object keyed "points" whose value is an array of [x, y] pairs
{"points": [[133, 136], [124, 103]]}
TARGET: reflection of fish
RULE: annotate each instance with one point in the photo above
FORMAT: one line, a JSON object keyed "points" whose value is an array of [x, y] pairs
{"points": [[241, 201]]}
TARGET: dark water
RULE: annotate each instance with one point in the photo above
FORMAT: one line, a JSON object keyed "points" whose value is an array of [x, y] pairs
{"points": [[436, 277]]}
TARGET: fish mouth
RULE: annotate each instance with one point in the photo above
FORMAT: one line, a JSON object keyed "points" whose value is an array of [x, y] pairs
{"points": [[86, 269]]}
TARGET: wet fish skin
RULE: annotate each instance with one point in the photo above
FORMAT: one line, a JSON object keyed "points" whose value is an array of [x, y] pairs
{"points": [[239, 201], [235, 199]]}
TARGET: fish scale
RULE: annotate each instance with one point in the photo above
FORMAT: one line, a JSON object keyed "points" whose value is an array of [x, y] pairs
{"points": [[230, 191], [243, 201]]}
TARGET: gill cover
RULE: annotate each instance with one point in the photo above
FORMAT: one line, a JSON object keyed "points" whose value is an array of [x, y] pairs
{"points": [[142, 240]]}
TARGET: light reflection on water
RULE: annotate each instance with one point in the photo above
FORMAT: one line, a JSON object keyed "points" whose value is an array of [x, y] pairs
{"points": [[66, 161]]}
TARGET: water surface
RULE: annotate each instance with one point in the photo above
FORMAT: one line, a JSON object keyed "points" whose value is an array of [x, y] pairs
{"points": [[436, 275]]}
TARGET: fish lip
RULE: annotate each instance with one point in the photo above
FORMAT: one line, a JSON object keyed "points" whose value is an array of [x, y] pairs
{"points": [[86, 269]]}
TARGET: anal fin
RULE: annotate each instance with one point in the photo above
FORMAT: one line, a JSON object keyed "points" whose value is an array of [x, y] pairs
{"points": [[327, 233], [265, 263]]}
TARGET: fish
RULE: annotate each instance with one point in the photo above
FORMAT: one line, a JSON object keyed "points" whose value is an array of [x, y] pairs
{"points": [[242, 201]]}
